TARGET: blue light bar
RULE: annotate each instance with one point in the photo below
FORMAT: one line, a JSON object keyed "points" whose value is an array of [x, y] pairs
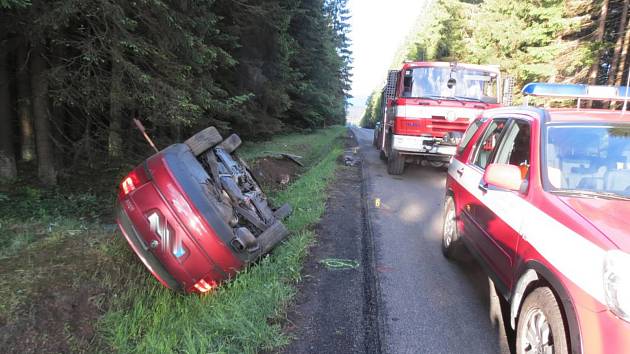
{"points": [[588, 92]]}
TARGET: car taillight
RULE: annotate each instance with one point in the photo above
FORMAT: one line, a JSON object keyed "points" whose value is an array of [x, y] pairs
{"points": [[134, 179], [203, 286]]}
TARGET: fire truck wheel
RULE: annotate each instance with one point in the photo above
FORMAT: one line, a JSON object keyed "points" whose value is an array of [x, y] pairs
{"points": [[451, 242], [203, 140], [395, 162], [382, 155], [540, 326]]}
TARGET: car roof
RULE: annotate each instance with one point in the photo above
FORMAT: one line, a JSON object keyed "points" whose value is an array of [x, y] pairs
{"points": [[574, 115]]}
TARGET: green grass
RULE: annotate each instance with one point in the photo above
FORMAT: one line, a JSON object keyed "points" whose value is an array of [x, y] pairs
{"points": [[244, 315], [68, 230], [310, 146]]}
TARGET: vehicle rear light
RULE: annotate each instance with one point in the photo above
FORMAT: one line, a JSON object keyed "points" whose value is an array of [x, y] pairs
{"points": [[134, 179], [203, 286], [127, 185]]}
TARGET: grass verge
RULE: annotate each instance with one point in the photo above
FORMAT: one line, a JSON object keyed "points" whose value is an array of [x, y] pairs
{"points": [[72, 284]]}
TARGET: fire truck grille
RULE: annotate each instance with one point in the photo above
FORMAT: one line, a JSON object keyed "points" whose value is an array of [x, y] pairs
{"points": [[439, 124]]}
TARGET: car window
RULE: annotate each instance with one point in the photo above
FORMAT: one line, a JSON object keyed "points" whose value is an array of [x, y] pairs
{"points": [[515, 147], [470, 132], [488, 143], [588, 157]]}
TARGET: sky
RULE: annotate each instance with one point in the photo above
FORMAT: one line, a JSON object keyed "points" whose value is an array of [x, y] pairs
{"points": [[378, 28]]}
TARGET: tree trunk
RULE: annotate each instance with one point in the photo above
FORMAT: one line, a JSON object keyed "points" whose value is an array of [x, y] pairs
{"points": [[612, 74], [39, 85], [599, 37], [624, 56], [115, 109], [24, 108], [8, 170]]}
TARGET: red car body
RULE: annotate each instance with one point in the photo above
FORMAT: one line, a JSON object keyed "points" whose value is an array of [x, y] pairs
{"points": [[168, 219], [538, 235]]}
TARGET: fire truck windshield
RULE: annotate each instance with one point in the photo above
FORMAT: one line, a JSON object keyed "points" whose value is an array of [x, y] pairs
{"points": [[465, 84], [588, 159]]}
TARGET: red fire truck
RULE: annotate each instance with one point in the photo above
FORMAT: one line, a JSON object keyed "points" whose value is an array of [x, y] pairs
{"points": [[427, 106]]}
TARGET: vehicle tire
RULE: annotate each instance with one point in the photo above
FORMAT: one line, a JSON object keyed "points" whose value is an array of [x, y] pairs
{"points": [[540, 326], [203, 140], [231, 143], [395, 162], [382, 155], [451, 241]]}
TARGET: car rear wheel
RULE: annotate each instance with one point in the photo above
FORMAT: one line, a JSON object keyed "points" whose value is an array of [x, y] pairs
{"points": [[451, 242], [540, 327]]}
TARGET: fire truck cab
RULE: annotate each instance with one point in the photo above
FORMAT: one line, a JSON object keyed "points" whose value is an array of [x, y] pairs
{"points": [[427, 106]]}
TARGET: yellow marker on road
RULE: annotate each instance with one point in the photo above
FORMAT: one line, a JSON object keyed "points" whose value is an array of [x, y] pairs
{"points": [[377, 202]]}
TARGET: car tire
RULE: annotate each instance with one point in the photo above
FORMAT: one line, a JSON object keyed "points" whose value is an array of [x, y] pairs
{"points": [[451, 240], [203, 140], [540, 324], [231, 143]]}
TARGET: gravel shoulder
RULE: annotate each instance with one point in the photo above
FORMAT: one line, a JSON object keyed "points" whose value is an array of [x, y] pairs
{"points": [[334, 310]]}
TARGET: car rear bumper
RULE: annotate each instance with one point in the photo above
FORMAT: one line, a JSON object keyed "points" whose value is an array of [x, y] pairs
{"points": [[141, 249]]}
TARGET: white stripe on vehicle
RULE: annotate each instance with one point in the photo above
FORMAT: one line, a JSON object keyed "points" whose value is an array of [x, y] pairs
{"points": [[418, 111], [578, 259]]}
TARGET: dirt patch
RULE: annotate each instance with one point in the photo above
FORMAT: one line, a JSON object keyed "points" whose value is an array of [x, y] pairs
{"points": [[275, 173], [54, 294]]}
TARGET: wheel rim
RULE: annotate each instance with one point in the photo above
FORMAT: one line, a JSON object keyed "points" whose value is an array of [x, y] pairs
{"points": [[538, 338], [449, 226]]}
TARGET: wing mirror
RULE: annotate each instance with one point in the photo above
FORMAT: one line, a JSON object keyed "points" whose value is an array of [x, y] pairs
{"points": [[503, 176]]}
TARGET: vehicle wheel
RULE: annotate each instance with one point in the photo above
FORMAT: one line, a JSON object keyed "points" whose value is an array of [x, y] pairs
{"points": [[451, 242], [231, 143], [540, 326], [382, 155], [395, 162], [203, 140]]}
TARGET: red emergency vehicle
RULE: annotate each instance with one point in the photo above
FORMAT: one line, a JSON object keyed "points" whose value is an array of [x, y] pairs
{"points": [[426, 107], [541, 197]]}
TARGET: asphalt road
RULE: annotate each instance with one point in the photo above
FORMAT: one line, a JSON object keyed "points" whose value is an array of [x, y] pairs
{"points": [[426, 303]]}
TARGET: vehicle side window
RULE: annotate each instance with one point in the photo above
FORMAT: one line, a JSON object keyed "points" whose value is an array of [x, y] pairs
{"points": [[470, 132], [516, 146], [488, 143]]}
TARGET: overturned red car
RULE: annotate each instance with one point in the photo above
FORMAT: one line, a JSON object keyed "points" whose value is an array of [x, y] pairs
{"points": [[194, 214]]}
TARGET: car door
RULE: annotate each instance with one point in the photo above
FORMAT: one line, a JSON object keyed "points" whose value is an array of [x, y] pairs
{"points": [[456, 170], [467, 172], [501, 235]]}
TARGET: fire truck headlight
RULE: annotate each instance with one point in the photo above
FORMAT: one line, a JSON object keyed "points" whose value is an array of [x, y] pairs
{"points": [[617, 283]]}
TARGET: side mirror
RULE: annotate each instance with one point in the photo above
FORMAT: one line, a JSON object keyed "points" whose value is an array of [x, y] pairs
{"points": [[503, 176], [450, 83]]}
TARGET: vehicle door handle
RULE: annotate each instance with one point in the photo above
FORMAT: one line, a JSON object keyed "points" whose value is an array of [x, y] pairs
{"points": [[460, 171], [483, 187]]}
